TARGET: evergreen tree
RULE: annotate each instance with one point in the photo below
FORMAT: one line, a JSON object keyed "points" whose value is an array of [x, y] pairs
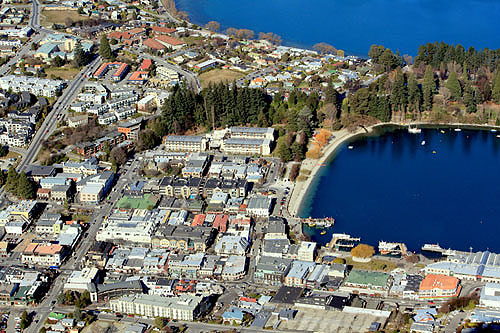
{"points": [[495, 91], [12, 180], [470, 100], [283, 151], [414, 93], [105, 49], [80, 58], [25, 188], [428, 87], [399, 96], [383, 109], [454, 86]]}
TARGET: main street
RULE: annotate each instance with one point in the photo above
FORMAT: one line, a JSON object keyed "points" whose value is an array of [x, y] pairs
{"points": [[72, 263], [50, 122]]}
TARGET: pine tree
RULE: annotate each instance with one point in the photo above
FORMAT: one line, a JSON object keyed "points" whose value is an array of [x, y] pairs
{"points": [[414, 93], [454, 86], [80, 58], [12, 180], [428, 87], [105, 49], [495, 91], [25, 188], [470, 100], [399, 96]]}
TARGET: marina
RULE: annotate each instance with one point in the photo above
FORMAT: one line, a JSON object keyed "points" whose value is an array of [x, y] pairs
{"points": [[363, 205]]}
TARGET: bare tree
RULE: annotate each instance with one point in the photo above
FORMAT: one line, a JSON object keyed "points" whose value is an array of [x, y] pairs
{"points": [[245, 34], [231, 32], [324, 48], [213, 26], [270, 37]]}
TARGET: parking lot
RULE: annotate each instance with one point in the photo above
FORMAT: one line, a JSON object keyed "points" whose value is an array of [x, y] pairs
{"points": [[316, 320]]}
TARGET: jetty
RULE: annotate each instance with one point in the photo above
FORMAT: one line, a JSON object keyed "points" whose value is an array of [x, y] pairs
{"points": [[392, 249], [343, 242], [324, 222]]}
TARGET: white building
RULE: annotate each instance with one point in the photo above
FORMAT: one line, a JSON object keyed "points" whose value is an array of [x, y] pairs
{"points": [[183, 307], [81, 280], [490, 296]]}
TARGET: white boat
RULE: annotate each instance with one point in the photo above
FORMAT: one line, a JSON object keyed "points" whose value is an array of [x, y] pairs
{"points": [[432, 247], [458, 130], [414, 130], [422, 143], [498, 136], [350, 147], [493, 130], [390, 248]]}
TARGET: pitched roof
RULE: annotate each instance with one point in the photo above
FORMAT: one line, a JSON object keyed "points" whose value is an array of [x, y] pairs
{"points": [[151, 43], [169, 40]]}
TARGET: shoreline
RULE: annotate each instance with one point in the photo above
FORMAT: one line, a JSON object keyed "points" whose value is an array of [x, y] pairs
{"points": [[301, 189]]}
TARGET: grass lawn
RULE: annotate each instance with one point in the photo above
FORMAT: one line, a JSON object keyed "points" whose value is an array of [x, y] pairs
{"points": [[11, 154], [49, 17], [65, 73], [146, 202], [219, 75], [373, 265]]}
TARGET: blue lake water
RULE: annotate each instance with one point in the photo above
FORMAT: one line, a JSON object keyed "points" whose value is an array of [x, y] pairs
{"points": [[355, 25], [392, 188]]}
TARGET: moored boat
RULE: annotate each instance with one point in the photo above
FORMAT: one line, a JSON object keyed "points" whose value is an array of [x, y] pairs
{"points": [[414, 130]]}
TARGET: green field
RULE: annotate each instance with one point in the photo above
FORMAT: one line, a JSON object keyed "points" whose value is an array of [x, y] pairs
{"points": [[148, 201]]}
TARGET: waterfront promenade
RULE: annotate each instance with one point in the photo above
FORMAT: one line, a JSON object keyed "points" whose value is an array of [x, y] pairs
{"points": [[301, 187]]}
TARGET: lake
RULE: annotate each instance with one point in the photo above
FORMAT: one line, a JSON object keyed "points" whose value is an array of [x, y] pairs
{"points": [[391, 188], [355, 25]]}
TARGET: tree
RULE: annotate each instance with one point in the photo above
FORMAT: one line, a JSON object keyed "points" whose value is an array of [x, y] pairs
{"points": [[324, 48], [470, 100], [414, 94], [270, 37], [58, 61], [147, 140], [399, 96], [105, 48], [283, 150], [454, 85], [294, 171], [12, 180], [80, 57], [428, 87], [495, 91], [213, 26], [25, 320], [363, 251], [3, 150], [160, 322], [118, 155], [25, 188]]}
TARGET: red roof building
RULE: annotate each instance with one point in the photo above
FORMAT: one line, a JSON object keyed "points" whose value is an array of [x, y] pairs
{"points": [[162, 30], [169, 41], [146, 65], [153, 44], [220, 222]]}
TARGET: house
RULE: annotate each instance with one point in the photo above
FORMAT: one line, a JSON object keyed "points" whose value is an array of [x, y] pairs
{"points": [[439, 286], [77, 121]]}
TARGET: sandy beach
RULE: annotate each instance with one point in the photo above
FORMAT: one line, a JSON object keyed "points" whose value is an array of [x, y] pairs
{"points": [[301, 187]]}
